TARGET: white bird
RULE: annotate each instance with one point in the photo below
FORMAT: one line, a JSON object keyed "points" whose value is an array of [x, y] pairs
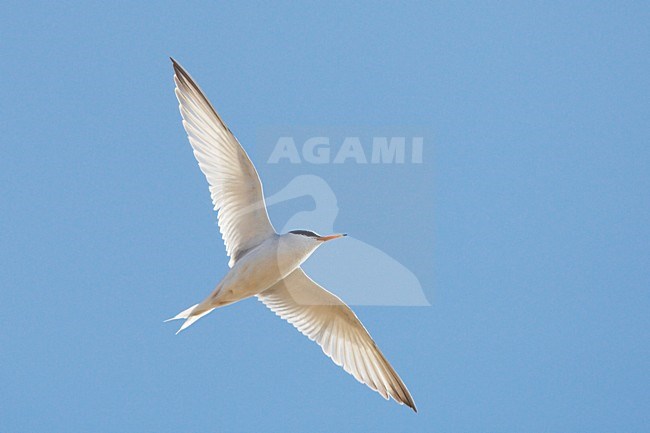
{"points": [[266, 264]]}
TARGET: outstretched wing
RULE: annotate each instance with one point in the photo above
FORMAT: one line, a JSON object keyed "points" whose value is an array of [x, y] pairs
{"points": [[328, 321], [235, 187]]}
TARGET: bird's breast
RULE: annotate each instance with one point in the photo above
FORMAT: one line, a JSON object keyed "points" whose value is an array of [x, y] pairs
{"points": [[260, 269]]}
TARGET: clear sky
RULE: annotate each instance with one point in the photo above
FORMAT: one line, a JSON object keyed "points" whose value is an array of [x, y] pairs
{"points": [[525, 224]]}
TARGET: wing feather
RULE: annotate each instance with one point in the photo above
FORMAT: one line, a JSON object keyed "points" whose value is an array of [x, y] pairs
{"points": [[325, 319], [235, 186]]}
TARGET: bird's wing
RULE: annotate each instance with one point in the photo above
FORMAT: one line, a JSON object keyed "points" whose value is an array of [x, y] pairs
{"points": [[328, 321], [235, 187]]}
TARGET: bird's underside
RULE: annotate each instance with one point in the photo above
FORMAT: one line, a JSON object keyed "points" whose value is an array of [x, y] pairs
{"points": [[238, 198]]}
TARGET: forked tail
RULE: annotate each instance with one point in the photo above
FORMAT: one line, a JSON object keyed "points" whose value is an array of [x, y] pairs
{"points": [[189, 317]]}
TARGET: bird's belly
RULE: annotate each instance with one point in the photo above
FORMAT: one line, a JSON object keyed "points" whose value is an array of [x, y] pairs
{"points": [[252, 275]]}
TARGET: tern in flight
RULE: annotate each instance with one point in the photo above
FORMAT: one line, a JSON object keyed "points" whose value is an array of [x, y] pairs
{"points": [[266, 264]]}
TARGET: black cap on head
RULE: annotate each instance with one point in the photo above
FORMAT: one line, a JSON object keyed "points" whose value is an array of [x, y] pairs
{"points": [[307, 233]]}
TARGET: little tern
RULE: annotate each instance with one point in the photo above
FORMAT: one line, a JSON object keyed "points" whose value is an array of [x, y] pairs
{"points": [[266, 264]]}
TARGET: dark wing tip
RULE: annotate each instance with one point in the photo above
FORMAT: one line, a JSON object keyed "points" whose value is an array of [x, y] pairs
{"points": [[410, 403], [185, 78], [176, 65], [179, 71]]}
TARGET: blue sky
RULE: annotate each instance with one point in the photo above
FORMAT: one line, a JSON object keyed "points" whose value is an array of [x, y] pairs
{"points": [[526, 223]]}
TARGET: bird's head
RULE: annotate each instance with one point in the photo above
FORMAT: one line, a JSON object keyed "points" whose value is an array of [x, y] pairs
{"points": [[301, 243]]}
